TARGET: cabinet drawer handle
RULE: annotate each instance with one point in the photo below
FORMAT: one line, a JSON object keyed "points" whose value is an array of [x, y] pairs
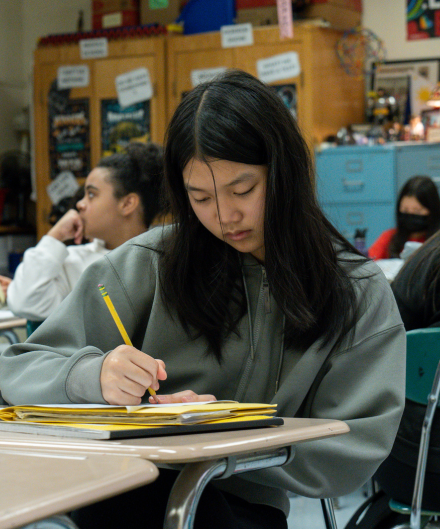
{"points": [[353, 185]]}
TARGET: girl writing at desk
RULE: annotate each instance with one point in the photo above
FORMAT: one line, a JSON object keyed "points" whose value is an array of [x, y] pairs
{"points": [[251, 295]]}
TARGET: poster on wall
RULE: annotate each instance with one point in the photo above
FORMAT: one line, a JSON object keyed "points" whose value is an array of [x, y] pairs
{"points": [[120, 125], [422, 19], [408, 81], [69, 136]]}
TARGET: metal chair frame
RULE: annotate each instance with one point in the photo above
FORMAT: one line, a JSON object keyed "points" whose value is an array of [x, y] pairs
{"points": [[432, 403]]}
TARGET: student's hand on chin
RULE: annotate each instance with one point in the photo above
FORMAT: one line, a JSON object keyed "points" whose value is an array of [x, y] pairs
{"points": [[182, 396]]}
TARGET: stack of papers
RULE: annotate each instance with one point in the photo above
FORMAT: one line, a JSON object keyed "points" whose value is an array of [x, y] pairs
{"points": [[105, 422]]}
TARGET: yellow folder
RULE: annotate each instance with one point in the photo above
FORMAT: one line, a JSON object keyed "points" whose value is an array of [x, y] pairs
{"points": [[123, 421]]}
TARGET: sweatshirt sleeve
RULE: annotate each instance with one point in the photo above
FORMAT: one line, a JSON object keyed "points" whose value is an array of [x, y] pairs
{"points": [[63, 362], [38, 285]]}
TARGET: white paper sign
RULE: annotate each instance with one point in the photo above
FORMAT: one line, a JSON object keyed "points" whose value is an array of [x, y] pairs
{"points": [[64, 185], [278, 67], [134, 87], [237, 35], [73, 76], [93, 48], [205, 75]]}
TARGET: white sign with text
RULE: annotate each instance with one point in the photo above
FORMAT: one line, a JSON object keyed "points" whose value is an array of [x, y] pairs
{"points": [[73, 76], [133, 87], [278, 67], [237, 35], [93, 48]]}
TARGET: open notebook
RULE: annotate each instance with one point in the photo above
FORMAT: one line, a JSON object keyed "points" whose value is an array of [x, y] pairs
{"points": [[111, 422]]}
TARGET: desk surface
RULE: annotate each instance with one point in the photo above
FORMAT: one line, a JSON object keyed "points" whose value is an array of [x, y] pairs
{"points": [[11, 322], [64, 482], [184, 448]]}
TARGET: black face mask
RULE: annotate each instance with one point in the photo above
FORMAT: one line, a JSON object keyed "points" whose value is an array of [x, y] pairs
{"points": [[413, 223]]}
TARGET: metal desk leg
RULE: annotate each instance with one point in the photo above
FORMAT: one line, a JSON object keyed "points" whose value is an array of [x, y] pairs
{"points": [[329, 513], [10, 335], [194, 477]]}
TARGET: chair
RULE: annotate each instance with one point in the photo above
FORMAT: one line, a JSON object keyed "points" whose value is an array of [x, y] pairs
{"points": [[422, 387], [329, 513], [31, 326], [56, 521]]}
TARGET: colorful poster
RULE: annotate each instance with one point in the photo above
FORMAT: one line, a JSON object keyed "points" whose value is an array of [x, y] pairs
{"points": [[69, 135], [120, 125], [423, 19]]}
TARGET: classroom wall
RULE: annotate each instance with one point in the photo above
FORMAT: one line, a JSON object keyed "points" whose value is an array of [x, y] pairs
{"points": [[22, 22], [12, 83], [48, 17], [387, 18]]}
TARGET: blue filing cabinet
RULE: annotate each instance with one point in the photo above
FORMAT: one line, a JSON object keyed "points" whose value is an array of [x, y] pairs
{"points": [[417, 159], [357, 187]]}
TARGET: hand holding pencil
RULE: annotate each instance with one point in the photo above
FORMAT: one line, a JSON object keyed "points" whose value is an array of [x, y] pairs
{"points": [[127, 372]]}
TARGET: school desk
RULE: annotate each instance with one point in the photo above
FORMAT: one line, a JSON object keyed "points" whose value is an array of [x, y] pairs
{"points": [[200, 457], [35, 485], [9, 322]]}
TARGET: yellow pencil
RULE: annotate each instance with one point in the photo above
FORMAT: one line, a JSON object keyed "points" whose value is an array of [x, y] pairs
{"points": [[121, 328]]}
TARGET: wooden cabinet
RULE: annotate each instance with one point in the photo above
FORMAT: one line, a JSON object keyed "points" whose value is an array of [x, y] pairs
{"points": [[327, 98], [323, 96], [88, 102]]}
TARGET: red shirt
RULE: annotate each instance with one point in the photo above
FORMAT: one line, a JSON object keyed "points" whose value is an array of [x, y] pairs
{"points": [[380, 249]]}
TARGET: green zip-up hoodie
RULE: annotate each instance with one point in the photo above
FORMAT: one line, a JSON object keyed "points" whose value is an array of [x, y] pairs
{"points": [[362, 382]]}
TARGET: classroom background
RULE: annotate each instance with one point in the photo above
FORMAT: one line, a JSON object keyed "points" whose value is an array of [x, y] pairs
{"points": [[79, 79]]}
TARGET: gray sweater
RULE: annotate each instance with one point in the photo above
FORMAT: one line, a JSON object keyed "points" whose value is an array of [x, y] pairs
{"points": [[362, 383]]}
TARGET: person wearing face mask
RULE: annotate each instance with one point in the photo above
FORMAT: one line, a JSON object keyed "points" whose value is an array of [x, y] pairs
{"points": [[417, 215]]}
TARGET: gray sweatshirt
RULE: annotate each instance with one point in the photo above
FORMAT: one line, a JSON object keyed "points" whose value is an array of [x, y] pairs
{"points": [[362, 383]]}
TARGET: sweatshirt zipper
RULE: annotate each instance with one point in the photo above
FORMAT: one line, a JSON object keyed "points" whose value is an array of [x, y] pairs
{"points": [[266, 299], [266, 291]]}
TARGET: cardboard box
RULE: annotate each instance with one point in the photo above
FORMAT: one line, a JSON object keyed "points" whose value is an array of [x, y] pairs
{"points": [[100, 7], [338, 17], [116, 19], [160, 16], [249, 4], [258, 16]]}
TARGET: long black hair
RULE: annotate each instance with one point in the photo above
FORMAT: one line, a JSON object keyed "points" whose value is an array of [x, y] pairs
{"points": [[425, 191], [237, 118], [419, 280], [138, 169]]}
